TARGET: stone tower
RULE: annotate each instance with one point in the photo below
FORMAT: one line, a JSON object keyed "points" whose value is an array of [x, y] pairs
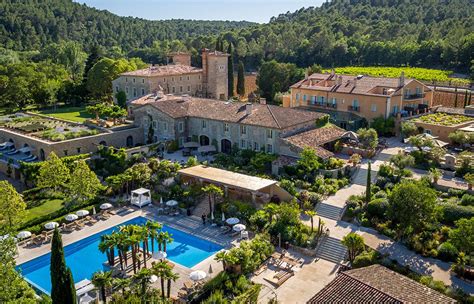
{"points": [[214, 65]]}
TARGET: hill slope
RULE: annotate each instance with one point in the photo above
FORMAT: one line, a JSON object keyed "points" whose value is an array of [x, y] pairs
{"points": [[32, 24]]}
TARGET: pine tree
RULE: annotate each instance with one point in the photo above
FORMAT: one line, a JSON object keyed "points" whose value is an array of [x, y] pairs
{"points": [[241, 79], [368, 186], [62, 283], [230, 72]]}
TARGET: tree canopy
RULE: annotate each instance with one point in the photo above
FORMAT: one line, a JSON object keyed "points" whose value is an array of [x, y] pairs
{"points": [[12, 205]]}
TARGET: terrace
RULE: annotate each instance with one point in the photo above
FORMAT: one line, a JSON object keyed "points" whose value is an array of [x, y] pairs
{"points": [[444, 119]]}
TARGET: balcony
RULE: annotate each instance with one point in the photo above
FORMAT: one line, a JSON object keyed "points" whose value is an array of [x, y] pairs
{"points": [[414, 96], [324, 105], [353, 108]]}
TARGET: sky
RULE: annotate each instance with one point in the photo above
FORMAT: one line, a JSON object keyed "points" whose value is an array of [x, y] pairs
{"points": [[251, 10]]}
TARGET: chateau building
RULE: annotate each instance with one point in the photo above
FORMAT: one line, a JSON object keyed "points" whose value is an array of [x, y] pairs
{"points": [[179, 77], [354, 100], [223, 125]]}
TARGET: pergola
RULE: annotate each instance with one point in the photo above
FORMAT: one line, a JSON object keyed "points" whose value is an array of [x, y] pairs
{"points": [[236, 182], [141, 197]]}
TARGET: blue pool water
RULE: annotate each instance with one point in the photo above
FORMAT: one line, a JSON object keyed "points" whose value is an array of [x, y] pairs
{"points": [[84, 257]]}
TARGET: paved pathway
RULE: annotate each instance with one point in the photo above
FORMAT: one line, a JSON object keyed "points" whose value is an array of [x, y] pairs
{"points": [[334, 205]]}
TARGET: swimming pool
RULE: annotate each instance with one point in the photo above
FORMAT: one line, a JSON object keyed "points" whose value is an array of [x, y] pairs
{"points": [[84, 257]]}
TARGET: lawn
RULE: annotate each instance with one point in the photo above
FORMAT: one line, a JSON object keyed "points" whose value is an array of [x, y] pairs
{"points": [[77, 114], [49, 206]]}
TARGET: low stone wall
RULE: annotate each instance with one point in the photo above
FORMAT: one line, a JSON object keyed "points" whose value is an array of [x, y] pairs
{"points": [[349, 150], [304, 251]]}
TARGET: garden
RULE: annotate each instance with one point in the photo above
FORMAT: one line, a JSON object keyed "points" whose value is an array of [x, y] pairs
{"points": [[430, 222], [443, 119]]}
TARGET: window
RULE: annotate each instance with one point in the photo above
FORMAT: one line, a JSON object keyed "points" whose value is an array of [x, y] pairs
{"points": [[373, 108], [395, 109], [427, 131], [173, 89], [188, 77], [78, 150], [143, 80], [181, 141], [181, 89], [200, 87], [164, 79], [243, 130], [269, 148], [304, 97], [116, 89], [126, 79], [355, 103], [189, 88], [134, 92], [65, 152], [143, 91], [226, 127], [133, 80], [180, 126], [126, 90], [297, 96], [204, 124], [180, 78], [269, 133], [256, 146], [165, 126], [243, 144], [154, 124], [199, 77], [313, 100]]}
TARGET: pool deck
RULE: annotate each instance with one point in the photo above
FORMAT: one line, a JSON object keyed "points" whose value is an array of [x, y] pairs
{"points": [[189, 224]]}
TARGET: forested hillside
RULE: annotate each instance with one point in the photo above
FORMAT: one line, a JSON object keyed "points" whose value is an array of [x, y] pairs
{"points": [[32, 24]]}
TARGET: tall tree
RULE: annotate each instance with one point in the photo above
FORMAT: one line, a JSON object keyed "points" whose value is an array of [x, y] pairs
{"points": [[230, 71], [212, 191], [355, 245], [241, 79], [102, 280], [12, 206], [53, 173], [83, 184], [368, 190], [62, 283]]}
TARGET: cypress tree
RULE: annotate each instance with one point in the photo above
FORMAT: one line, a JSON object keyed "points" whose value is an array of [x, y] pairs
{"points": [[368, 186], [465, 98], [218, 44], [241, 79], [456, 97], [230, 72], [62, 283]]}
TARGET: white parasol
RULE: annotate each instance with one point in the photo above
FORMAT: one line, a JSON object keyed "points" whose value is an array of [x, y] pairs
{"points": [[232, 221], [239, 227], [171, 203], [51, 225], [223, 217], [71, 217], [153, 279], [105, 206], [197, 275], [82, 213], [23, 235], [161, 201], [160, 255]]}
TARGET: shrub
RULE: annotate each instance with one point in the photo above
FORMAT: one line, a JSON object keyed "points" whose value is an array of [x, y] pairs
{"points": [[380, 194], [447, 252], [288, 186], [467, 200], [366, 258], [451, 213], [377, 207], [456, 192]]}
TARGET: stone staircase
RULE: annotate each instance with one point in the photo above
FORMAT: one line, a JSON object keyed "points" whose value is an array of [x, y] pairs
{"points": [[332, 250], [329, 211]]}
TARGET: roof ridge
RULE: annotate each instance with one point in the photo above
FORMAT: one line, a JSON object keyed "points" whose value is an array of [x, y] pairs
{"points": [[273, 115]]}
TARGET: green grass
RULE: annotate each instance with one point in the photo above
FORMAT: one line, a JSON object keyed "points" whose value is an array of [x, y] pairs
{"points": [[76, 114], [49, 206]]}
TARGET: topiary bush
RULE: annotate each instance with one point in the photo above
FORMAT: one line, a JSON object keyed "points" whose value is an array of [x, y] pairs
{"points": [[451, 213]]}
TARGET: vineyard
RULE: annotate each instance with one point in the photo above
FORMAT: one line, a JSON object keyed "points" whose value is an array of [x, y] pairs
{"points": [[410, 72]]}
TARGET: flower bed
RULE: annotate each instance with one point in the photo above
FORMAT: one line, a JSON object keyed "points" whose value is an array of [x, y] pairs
{"points": [[444, 119]]}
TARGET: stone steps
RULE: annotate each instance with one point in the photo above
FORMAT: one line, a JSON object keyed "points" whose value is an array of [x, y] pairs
{"points": [[329, 211], [332, 250]]}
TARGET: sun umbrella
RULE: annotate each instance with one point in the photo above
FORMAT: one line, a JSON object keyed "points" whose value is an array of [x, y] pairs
{"points": [[105, 206], [171, 203], [197, 275], [51, 225], [153, 279], [160, 255], [210, 269], [232, 221], [93, 210], [223, 217], [71, 217], [212, 215], [161, 201], [239, 227], [23, 235], [82, 213]]}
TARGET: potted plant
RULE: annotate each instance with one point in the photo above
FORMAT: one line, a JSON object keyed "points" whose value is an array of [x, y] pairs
{"points": [[469, 177], [355, 159], [435, 174]]}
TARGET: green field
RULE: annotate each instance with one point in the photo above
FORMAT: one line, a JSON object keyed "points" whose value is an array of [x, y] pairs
{"points": [[77, 114], [49, 206], [410, 72]]}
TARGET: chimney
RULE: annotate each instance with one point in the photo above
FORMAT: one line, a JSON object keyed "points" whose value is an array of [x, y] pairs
{"points": [[306, 75], [401, 81], [263, 101], [339, 80], [355, 82], [248, 108]]}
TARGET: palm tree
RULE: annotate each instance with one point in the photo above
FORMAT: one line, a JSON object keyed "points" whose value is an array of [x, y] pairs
{"points": [[153, 228], [122, 247], [160, 269], [107, 245], [101, 281], [143, 279], [166, 238], [212, 191], [355, 245], [435, 174], [311, 214], [221, 257], [170, 276], [121, 284]]}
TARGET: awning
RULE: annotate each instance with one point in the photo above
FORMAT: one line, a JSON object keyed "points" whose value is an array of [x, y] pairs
{"points": [[140, 191], [191, 144], [351, 135], [204, 149]]}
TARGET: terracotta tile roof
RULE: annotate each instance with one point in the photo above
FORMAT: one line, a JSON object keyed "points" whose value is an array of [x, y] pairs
{"points": [[376, 284], [262, 115], [327, 82], [164, 70], [315, 138]]}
